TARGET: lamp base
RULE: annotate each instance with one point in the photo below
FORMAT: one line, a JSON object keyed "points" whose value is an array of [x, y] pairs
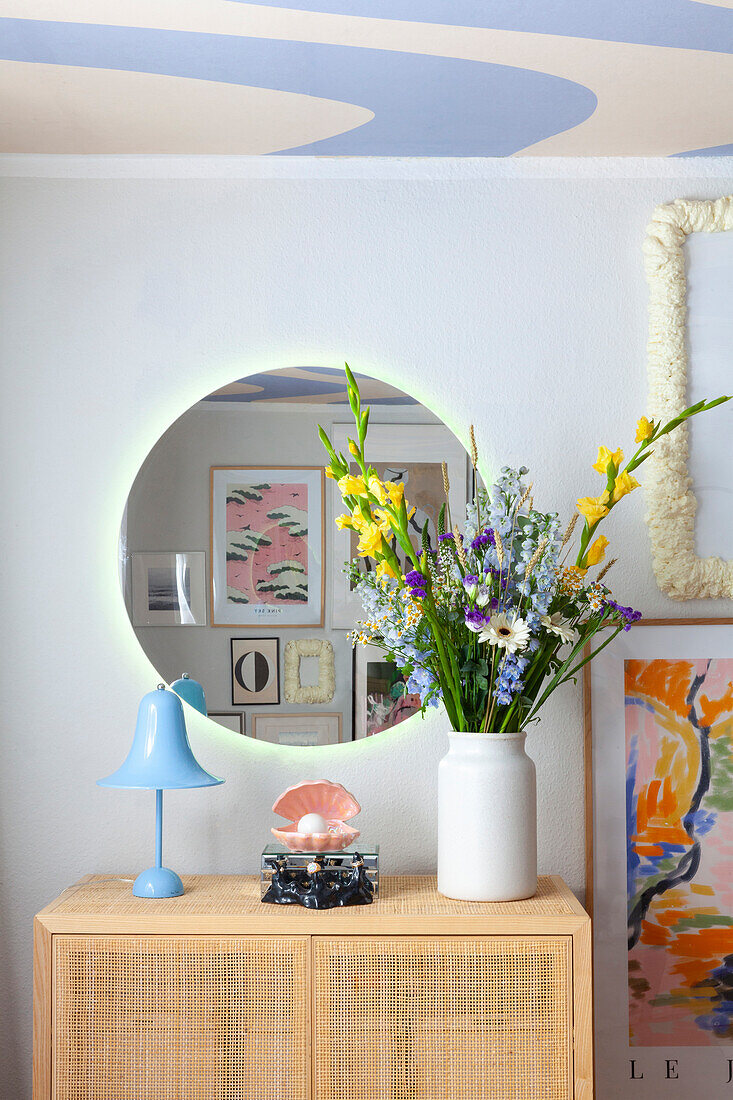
{"points": [[158, 882]]}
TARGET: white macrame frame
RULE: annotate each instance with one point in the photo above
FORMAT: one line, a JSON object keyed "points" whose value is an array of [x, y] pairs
{"points": [[323, 691], [670, 500]]}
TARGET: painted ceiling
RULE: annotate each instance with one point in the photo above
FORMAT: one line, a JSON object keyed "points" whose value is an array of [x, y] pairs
{"points": [[367, 77]]}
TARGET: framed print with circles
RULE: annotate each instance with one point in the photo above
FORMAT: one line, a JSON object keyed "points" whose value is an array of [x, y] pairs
{"points": [[255, 672]]}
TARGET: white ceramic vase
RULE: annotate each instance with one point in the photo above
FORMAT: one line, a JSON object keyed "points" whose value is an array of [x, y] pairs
{"points": [[487, 818]]}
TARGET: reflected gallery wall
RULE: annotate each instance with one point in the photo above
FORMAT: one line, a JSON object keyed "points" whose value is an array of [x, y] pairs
{"points": [[232, 566]]}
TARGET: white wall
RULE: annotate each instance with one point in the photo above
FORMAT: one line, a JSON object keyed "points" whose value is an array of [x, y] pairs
{"points": [[510, 294]]}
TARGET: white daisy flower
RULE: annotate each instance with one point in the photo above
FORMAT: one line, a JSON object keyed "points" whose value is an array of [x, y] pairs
{"points": [[507, 634], [555, 625]]}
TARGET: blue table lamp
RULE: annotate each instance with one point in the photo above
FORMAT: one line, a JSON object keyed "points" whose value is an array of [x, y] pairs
{"points": [[191, 692], [160, 759]]}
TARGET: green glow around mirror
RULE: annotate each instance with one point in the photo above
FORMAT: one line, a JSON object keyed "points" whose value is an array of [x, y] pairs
{"points": [[232, 566]]}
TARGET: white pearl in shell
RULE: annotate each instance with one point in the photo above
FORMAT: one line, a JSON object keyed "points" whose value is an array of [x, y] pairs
{"points": [[312, 823]]}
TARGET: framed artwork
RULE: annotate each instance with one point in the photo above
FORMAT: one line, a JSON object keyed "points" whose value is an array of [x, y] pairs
{"points": [[233, 720], [267, 552], [659, 784], [379, 698], [298, 730], [412, 453], [255, 672], [295, 651], [688, 256], [169, 589]]}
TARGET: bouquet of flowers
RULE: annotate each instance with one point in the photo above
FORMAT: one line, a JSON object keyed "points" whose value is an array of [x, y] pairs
{"points": [[492, 619]]}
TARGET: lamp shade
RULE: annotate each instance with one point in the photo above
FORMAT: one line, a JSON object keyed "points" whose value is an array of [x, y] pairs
{"points": [[160, 757], [191, 692]]}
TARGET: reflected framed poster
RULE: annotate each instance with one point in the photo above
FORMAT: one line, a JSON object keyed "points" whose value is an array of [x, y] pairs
{"points": [[267, 546], [255, 671], [298, 730], [169, 589], [659, 745], [380, 698]]}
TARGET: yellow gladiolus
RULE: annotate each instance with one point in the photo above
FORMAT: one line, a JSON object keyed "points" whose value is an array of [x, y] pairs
{"points": [[353, 448], [625, 483], [384, 569], [350, 486], [377, 489], [344, 521], [644, 429], [370, 540], [605, 456], [597, 551], [385, 521], [358, 521], [331, 474], [395, 491], [592, 508]]}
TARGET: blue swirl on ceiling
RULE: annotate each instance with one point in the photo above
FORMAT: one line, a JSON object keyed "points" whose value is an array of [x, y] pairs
{"points": [[712, 151], [685, 24], [281, 385], [423, 105]]}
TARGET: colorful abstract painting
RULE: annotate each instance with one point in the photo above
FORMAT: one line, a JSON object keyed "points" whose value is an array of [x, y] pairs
{"points": [[267, 545], [679, 803]]}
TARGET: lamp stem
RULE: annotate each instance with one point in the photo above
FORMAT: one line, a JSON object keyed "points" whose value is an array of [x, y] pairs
{"points": [[158, 828]]}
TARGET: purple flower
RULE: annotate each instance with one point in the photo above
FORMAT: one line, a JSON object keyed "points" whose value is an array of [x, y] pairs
{"points": [[627, 615], [418, 593], [475, 621], [486, 537], [445, 537], [414, 577]]}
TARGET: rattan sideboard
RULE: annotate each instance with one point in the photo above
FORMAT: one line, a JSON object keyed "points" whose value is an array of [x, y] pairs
{"points": [[214, 996]]}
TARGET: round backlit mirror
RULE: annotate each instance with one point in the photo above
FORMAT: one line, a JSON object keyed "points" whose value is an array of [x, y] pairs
{"points": [[233, 565]]}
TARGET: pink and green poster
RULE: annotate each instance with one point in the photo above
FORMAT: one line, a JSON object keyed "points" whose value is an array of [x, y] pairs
{"points": [[267, 555]]}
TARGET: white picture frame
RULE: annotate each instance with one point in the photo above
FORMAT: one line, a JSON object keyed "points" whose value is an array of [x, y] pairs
{"points": [[688, 358], [366, 702], [302, 603], [296, 692], [298, 730], [169, 588], [671, 1065], [396, 444]]}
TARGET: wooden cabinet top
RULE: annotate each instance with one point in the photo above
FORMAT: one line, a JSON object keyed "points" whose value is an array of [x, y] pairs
{"points": [[230, 904]]}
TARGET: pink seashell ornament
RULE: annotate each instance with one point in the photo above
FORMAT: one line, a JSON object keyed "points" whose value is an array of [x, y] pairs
{"points": [[327, 800]]}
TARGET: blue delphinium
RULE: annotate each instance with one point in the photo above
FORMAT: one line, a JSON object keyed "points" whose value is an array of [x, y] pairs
{"points": [[508, 681]]}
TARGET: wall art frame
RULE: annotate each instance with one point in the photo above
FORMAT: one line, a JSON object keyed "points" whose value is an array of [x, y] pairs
{"points": [[296, 692], [267, 550], [255, 672], [298, 730], [651, 722], [399, 445], [168, 588], [233, 720], [368, 700], [672, 506]]}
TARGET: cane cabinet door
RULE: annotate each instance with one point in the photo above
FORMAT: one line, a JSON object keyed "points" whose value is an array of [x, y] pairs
{"points": [[424, 1018], [180, 1018]]}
